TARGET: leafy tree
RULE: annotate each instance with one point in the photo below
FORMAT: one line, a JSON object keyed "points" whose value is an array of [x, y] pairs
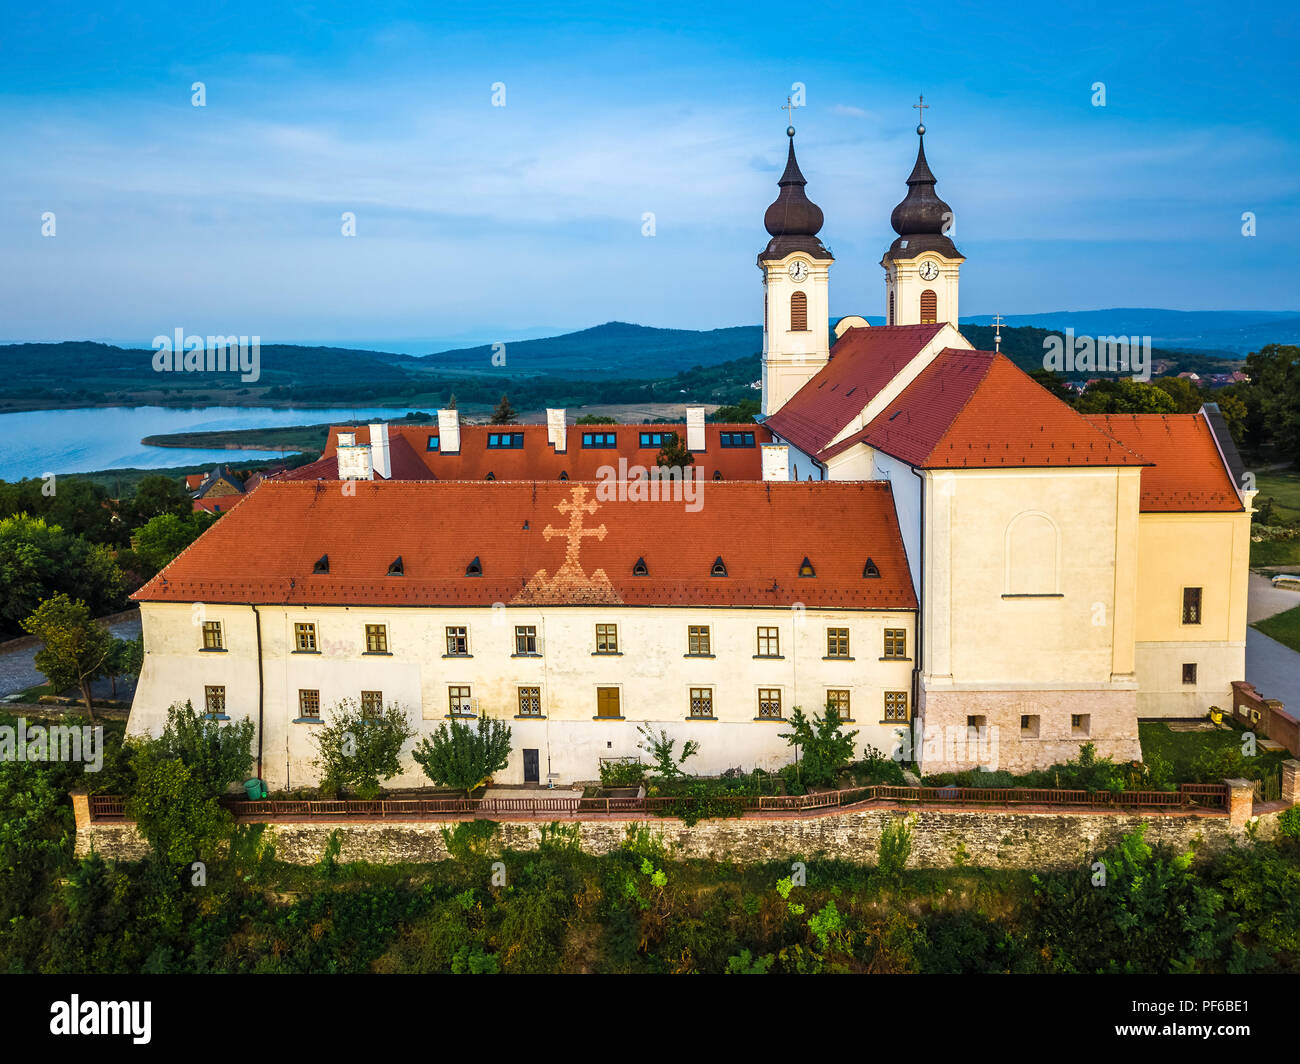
{"points": [[161, 538], [1125, 396], [660, 748], [596, 419], [674, 453], [504, 414], [358, 749], [77, 648], [125, 660], [1054, 383], [1187, 397], [464, 756], [827, 748], [1236, 414], [38, 560], [77, 505], [741, 413], [1275, 379], [175, 810], [156, 495], [217, 753]]}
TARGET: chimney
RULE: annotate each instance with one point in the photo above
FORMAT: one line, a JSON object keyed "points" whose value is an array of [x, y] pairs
{"points": [[353, 458], [379, 457], [556, 430], [449, 431], [776, 461], [695, 428]]}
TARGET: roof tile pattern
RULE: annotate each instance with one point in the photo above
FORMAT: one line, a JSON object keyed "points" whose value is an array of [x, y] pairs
{"points": [[1188, 475], [263, 552]]}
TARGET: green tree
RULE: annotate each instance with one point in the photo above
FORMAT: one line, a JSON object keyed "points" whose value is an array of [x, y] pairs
{"points": [[504, 414], [1236, 414], [175, 811], [38, 560], [158, 494], [464, 756], [741, 413], [217, 753], [596, 419], [660, 748], [1187, 398], [76, 649], [125, 660], [1125, 396], [1275, 380], [359, 749], [1054, 383], [826, 747], [674, 453], [161, 538]]}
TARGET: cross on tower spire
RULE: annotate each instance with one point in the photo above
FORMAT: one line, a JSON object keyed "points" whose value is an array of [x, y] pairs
{"points": [[789, 105], [920, 106], [997, 334]]}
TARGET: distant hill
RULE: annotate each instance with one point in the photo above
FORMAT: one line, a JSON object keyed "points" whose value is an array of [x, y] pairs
{"points": [[1230, 333]]}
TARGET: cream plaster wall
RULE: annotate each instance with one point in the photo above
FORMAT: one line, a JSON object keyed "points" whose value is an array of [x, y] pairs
{"points": [[790, 358]]}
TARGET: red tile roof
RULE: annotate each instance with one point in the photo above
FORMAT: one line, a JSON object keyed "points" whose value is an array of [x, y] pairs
{"points": [[862, 362], [537, 460], [1188, 475], [264, 550], [976, 409]]}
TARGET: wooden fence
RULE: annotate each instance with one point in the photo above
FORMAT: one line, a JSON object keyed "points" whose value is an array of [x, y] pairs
{"points": [[1201, 796]]}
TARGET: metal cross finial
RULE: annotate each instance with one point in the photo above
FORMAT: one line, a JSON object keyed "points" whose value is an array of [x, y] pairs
{"points": [[920, 106], [790, 105], [997, 335]]}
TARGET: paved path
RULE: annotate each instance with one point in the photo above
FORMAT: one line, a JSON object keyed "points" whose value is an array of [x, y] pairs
{"points": [[18, 671], [1274, 669], [1264, 600]]}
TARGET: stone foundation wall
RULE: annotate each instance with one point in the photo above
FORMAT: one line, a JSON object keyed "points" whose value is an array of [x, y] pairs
{"points": [[941, 838]]}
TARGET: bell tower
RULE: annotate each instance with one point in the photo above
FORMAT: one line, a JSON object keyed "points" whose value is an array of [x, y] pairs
{"points": [[922, 265], [796, 301]]}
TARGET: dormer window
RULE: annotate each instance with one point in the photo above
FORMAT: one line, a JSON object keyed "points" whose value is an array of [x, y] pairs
{"points": [[640, 569], [719, 567], [736, 439], [505, 439], [474, 568], [806, 568], [871, 570], [490, 476], [396, 569], [599, 439], [322, 564], [717, 474], [564, 474]]}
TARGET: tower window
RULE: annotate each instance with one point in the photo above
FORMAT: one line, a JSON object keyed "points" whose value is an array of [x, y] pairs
{"points": [[929, 307], [799, 312], [891, 308]]}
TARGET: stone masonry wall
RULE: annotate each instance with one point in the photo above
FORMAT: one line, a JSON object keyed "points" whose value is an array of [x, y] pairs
{"points": [[941, 838]]}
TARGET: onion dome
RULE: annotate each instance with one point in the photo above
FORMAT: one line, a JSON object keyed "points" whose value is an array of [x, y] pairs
{"points": [[922, 217], [793, 220]]}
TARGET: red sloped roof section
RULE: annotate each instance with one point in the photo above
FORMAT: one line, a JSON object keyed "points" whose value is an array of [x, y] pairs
{"points": [[264, 551], [862, 362], [1188, 475], [976, 409]]}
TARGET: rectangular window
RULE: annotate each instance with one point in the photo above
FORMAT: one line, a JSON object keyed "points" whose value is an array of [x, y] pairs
{"points": [[1191, 605], [457, 642], [309, 703], [376, 639], [459, 702], [839, 700], [1029, 725], [214, 701], [736, 439], [702, 703], [769, 643], [895, 706], [212, 636], [606, 639], [505, 439], [607, 703], [304, 636], [599, 439], [655, 439], [525, 639], [1080, 724], [1189, 672], [697, 640], [530, 701], [895, 642], [837, 642], [769, 703], [431, 444], [975, 726], [372, 703]]}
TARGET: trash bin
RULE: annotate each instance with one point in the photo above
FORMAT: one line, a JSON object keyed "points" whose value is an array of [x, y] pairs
{"points": [[255, 789]]}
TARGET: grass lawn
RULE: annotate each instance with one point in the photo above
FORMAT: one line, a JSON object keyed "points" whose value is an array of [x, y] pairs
{"points": [[1284, 627], [1283, 485], [1205, 756], [1278, 552]]}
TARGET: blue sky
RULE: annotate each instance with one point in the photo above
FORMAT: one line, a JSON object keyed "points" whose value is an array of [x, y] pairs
{"points": [[478, 221]]}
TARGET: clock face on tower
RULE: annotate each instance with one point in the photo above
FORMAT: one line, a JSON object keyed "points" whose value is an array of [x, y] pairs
{"points": [[929, 270], [798, 271]]}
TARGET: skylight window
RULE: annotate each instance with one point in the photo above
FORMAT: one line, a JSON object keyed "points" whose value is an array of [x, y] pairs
{"points": [[474, 568], [431, 444], [322, 564]]}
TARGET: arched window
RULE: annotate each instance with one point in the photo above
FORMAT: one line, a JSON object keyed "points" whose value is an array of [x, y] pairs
{"points": [[929, 307], [1032, 552], [891, 308], [799, 312]]}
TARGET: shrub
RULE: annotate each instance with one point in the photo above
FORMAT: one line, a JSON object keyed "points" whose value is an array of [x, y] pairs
{"points": [[217, 753], [360, 750], [895, 847], [827, 749], [622, 773], [464, 756]]}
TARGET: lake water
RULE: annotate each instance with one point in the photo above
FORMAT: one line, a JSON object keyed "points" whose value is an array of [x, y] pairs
{"points": [[83, 441]]}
